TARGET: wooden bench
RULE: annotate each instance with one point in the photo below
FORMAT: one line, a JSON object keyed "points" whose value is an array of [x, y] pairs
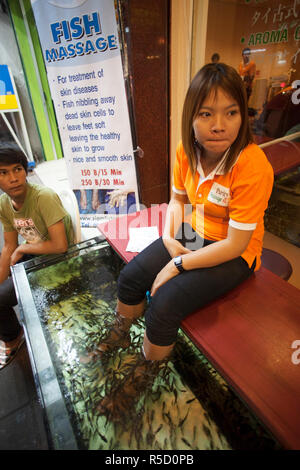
{"points": [[247, 336], [283, 156]]}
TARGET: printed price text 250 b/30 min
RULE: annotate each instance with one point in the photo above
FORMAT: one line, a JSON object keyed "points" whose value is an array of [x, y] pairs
{"points": [[96, 182]]}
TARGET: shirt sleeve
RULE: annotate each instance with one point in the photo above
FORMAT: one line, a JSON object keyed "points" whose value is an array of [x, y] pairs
{"points": [[250, 193], [6, 222], [178, 182], [7, 225], [50, 207]]}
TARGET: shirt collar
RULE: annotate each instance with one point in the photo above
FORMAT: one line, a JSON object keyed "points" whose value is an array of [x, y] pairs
{"points": [[218, 170]]}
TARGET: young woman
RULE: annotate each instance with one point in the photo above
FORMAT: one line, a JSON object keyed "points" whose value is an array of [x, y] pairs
{"points": [[227, 180]]}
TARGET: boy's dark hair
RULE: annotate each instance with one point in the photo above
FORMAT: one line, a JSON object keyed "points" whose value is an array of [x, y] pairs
{"points": [[10, 153]]}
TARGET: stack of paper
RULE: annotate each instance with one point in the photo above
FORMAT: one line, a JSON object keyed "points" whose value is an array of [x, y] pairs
{"points": [[141, 237]]}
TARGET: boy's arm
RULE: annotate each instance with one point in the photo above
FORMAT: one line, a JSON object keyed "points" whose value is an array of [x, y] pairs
{"points": [[58, 243], [10, 245]]}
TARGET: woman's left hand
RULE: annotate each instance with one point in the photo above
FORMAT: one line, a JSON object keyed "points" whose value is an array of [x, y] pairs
{"points": [[164, 276]]}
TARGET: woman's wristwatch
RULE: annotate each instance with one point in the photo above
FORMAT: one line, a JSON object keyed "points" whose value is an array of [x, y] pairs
{"points": [[178, 263]]}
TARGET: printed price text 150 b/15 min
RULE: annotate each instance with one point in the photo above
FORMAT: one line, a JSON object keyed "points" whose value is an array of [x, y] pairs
{"points": [[99, 172]]}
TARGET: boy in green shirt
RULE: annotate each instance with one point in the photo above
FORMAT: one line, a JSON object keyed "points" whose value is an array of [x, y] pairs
{"points": [[36, 213]]}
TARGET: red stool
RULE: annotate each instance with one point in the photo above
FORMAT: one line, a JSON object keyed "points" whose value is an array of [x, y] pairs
{"points": [[276, 263]]}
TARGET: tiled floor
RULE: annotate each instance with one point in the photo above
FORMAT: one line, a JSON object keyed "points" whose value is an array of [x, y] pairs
{"points": [[21, 413]]}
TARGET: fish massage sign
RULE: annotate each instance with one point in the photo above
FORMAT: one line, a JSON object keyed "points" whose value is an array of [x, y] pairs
{"points": [[82, 53]]}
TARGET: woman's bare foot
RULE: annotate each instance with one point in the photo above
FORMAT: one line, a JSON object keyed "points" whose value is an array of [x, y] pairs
{"points": [[121, 399], [119, 403], [118, 337]]}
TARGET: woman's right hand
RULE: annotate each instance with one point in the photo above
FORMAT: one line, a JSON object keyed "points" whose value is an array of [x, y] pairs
{"points": [[174, 247]]}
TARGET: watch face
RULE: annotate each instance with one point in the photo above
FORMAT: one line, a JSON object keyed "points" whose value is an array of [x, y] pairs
{"points": [[178, 263]]}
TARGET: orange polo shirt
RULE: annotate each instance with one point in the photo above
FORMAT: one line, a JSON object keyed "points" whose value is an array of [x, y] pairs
{"points": [[238, 198]]}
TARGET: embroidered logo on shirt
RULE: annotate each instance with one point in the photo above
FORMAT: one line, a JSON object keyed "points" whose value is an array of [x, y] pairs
{"points": [[219, 195]]}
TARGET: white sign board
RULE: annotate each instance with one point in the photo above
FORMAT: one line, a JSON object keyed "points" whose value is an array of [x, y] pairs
{"points": [[79, 40]]}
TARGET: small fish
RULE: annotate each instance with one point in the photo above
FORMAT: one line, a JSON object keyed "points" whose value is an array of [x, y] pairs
{"points": [[120, 362], [155, 396], [206, 430], [158, 429], [183, 420], [194, 432], [169, 417], [176, 395], [102, 437], [190, 401], [207, 418], [157, 446], [149, 438], [186, 442]]}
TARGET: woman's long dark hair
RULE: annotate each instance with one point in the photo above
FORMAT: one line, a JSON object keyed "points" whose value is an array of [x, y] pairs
{"points": [[206, 81]]}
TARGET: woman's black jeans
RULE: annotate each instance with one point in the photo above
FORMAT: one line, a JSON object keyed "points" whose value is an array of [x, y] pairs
{"points": [[181, 295]]}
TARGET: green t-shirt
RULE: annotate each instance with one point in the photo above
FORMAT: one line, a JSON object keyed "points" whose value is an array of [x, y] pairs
{"points": [[41, 209]]}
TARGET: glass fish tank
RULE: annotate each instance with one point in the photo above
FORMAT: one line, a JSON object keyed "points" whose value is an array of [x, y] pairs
{"points": [[67, 303], [282, 217]]}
